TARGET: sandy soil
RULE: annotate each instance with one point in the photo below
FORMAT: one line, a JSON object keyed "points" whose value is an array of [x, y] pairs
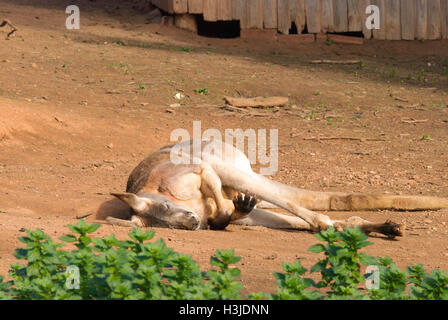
{"points": [[79, 111]]}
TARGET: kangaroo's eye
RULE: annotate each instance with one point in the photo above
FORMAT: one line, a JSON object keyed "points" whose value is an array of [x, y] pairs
{"points": [[166, 205]]}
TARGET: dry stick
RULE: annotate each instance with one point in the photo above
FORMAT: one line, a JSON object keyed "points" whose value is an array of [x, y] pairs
{"points": [[88, 214], [335, 61], [257, 102], [7, 22], [343, 138], [412, 121]]}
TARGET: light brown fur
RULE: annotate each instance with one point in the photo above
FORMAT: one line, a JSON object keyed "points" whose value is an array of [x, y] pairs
{"points": [[209, 190]]}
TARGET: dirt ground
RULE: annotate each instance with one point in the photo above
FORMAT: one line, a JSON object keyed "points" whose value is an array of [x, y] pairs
{"points": [[79, 109]]}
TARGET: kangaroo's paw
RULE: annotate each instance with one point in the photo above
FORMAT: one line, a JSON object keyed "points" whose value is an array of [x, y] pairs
{"points": [[390, 229], [244, 203]]}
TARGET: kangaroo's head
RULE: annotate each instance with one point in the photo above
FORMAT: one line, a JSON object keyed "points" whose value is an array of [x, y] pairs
{"points": [[156, 210]]}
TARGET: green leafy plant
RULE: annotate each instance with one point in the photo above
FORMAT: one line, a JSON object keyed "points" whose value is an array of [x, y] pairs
{"points": [[142, 269]]}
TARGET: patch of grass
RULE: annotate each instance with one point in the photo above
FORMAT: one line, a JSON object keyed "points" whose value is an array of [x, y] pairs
{"points": [[145, 45], [312, 115], [421, 75], [202, 91], [328, 42]]}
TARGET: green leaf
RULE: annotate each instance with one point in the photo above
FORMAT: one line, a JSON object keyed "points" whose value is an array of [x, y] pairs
{"points": [[317, 248], [68, 238], [367, 260]]}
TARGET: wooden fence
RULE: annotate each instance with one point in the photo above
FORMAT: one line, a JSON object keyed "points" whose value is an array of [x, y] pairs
{"points": [[399, 19]]}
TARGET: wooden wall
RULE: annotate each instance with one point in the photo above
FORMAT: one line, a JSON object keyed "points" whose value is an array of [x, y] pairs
{"points": [[400, 19]]}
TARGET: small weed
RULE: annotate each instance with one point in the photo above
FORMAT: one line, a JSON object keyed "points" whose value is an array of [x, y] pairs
{"points": [[393, 73], [362, 64], [421, 75], [120, 43], [328, 42], [202, 91], [425, 137], [312, 115], [142, 86]]}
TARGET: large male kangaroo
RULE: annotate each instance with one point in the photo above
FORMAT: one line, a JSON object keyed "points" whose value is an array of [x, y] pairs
{"points": [[211, 191]]}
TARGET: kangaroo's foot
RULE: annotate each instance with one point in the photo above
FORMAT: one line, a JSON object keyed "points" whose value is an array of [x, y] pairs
{"points": [[389, 228]]}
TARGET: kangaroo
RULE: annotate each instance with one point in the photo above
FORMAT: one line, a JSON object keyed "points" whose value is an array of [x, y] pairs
{"points": [[212, 192]]}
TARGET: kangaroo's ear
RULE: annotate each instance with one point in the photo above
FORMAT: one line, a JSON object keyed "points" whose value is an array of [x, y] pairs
{"points": [[139, 205]]}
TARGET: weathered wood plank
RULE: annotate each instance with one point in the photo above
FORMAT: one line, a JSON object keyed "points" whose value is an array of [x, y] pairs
{"points": [[298, 14], [444, 18], [366, 31], [380, 34], [210, 10], [238, 9], [327, 16], [393, 14], [224, 10], [283, 16], [422, 20], [270, 14], [254, 13], [195, 6], [433, 31], [355, 14], [340, 15], [313, 15], [180, 6], [408, 19]]}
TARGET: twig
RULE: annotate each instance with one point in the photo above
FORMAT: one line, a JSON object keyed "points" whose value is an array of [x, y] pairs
{"points": [[234, 109], [257, 102], [335, 61], [7, 22], [412, 121], [401, 99], [82, 216], [342, 138]]}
